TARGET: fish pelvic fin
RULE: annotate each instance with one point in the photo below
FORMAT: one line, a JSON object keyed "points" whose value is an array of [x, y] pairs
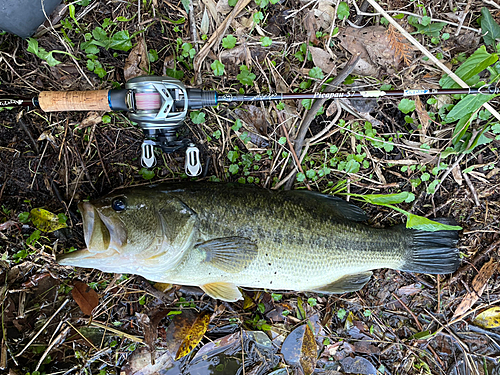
{"points": [[347, 283], [229, 254], [432, 252], [224, 291]]}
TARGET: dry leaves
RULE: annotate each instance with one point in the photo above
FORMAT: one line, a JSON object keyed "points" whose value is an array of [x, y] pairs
{"points": [[323, 60], [86, 297], [46, 221], [299, 349], [92, 118], [193, 335], [380, 51], [478, 285], [137, 61], [489, 318]]}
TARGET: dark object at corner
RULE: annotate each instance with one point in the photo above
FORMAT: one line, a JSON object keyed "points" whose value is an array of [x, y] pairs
{"points": [[22, 17]]}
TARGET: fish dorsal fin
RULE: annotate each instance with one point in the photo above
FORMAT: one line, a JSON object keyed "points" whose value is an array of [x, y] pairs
{"points": [[347, 283], [229, 254], [223, 291], [339, 206]]}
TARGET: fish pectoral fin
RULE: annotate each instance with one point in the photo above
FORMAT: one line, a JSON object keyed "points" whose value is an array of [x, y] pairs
{"points": [[229, 254], [347, 283], [223, 291]]}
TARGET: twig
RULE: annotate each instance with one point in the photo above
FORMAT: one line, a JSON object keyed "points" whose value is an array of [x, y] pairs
{"points": [[43, 328], [462, 17], [419, 326], [57, 340], [431, 57], [311, 114], [217, 36], [472, 189], [474, 261]]}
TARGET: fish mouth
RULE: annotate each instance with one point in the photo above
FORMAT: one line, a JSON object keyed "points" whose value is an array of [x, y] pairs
{"points": [[103, 236], [101, 233]]}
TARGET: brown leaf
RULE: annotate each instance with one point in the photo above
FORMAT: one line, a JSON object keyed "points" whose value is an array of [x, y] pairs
{"points": [[194, 335], [378, 51], [424, 119], [254, 117], [85, 297], [137, 61], [93, 118], [299, 349], [323, 60], [309, 351], [478, 285]]}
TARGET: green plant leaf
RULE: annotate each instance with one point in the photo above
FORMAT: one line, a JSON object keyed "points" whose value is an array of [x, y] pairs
{"points": [[422, 223], [186, 4], [382, 199], [217, 67], [490, 29], [121, 41], [266, 41], [316, 73], [198, 117], [343, 10], [245, 77], [406, 105], [475, 64], [229, 42], [467, 106], [431, 29], [146, 173]]}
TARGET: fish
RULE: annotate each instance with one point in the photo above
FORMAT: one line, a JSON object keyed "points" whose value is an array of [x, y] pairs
{"points": [[222, 237]]}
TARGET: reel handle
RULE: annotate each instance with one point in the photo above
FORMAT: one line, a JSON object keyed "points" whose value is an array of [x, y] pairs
{"points": [[100, 100]]}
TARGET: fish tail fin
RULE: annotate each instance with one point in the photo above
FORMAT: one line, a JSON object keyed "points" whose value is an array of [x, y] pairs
{"points": [[432, 252]]}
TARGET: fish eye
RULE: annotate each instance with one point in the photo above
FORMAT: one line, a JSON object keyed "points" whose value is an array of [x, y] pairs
{"points": [[119, 204]]}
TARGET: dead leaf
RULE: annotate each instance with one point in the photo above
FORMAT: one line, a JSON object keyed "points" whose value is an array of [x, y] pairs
{"points": [[194, 335], [309, 352], [373, 43], [358, 365], [162, 287], [205, 23], [223, 7], [86, 297], [7, 225], [47, 136], [410, 290], [299, 349], [46, 221], [137, 61], [489, 318], [311, 27], [323, 60], [254, 117], [478, 286], [423, 118], [457, 175], [93, 118], [325, 14]]}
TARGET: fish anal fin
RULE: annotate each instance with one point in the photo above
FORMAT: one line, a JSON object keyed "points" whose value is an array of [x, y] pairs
{"points": [[229, 254], [224, 291], [347, 283]]}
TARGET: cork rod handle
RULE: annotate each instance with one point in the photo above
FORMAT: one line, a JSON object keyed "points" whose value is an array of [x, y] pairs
{"points": [[55, 101]]}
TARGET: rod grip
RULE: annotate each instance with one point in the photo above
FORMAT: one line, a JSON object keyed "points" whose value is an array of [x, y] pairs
{"points": [[55, 101]]}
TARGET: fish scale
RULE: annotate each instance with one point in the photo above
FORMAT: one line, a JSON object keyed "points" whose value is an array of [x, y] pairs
{"points": [[224, 236]]}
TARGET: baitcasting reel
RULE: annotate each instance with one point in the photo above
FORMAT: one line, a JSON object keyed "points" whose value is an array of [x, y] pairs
{"points": [[159, 106]]}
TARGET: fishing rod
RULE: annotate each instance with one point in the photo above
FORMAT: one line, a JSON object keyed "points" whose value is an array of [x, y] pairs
{"points": [[159, 106]]}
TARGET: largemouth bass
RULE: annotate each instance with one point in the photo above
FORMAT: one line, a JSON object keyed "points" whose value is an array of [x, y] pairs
{"points": [[224, 236]]}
